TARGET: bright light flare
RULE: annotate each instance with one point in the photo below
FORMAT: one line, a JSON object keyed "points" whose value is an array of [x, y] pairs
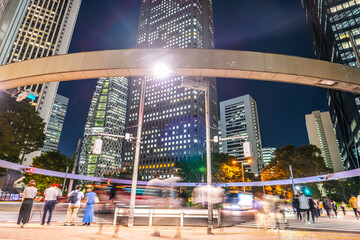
{"points": [[161, 70]]}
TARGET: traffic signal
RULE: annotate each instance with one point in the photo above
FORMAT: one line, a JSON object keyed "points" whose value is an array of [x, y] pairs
{"points": [[27, 170], [108, 181], [307, 191]]}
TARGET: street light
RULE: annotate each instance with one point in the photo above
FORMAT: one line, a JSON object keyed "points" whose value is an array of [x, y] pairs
{"points": [[161, 70]]}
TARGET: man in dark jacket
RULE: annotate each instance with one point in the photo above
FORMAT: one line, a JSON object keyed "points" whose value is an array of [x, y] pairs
{"points": [[296, 206], [327, 206]]}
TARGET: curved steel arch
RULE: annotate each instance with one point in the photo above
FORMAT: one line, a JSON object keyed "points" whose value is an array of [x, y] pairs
{"points": [[183, 62]]}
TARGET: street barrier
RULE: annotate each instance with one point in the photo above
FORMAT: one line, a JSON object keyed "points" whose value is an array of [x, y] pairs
{"points": [[167, 213]]}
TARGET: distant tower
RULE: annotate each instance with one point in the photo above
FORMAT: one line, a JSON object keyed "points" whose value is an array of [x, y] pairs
{"points": [[174, 118], [268, 153], [107, 114], [239, 117], [33, 29], [321, 133], [55, 124]]}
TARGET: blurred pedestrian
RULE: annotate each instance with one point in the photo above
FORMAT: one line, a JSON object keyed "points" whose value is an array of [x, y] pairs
{"points": [[353, 205], [321, 207], [74, 205], [295, 204], [27, 203], [334, 207], [327, 206], [343, 206], [51, 195], [313, 209], [90, 198], [304, 207]]}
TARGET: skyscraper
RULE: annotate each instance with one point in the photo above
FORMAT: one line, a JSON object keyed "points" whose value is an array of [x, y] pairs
{"points": [[34, 29], [55, 124], [107, 114], [239, 117], [174, 121], [267, 154], [335, 29], [321, 133]]}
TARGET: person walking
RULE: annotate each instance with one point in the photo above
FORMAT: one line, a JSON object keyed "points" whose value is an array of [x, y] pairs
{"points": [[353, 205], [295, 204], [334, 207], [29, 194], [327, 206], [74, 205], [313, 209], [51, 195], [90, 197], [343, 207], [304, 207]]}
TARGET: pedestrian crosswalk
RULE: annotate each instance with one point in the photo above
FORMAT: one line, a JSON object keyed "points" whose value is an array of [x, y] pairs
{"points": [[350, 225]]}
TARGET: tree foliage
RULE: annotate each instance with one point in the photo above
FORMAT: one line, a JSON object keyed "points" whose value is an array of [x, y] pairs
{"points": [[53, 160], [341, 190], [305, 161], [21, 129]]}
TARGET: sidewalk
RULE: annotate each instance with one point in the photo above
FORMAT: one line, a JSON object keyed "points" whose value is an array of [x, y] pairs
{"points": [[35, 231]]}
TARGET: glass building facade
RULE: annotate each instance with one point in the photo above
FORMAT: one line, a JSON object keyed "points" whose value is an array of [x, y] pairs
{"points": [[34, 29], [55, 124], [107, 114], [335, 29], [174, 117], [239, 117]]}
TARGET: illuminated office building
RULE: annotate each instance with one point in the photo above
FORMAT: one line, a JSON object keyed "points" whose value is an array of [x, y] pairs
{"points": [[268, 153], [55, 124], [107, 114], [321, 134], [239, 117], [174, 121], [335, 29], [33, 29]]}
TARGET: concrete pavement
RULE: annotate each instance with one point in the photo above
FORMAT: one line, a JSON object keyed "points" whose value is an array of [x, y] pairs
{"points": [[57, 231]]}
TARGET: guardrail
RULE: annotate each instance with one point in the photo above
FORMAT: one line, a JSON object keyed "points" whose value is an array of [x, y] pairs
{"points": [[167, 213]]}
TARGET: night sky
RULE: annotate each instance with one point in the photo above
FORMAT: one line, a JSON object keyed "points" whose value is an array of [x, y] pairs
{"points": [[273, 26]]}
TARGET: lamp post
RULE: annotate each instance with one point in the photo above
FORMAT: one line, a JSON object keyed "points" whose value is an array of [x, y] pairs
{"points": [[160, 71], [203, 86]]}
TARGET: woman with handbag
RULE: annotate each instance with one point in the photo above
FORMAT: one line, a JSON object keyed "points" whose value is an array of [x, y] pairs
{"points": [[27, 203], [91, 199]]}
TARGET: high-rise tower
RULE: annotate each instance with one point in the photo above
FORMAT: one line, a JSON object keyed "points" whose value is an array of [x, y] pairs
{"points": [[107, 114], [321, 133], [335, 29], [34, 29], [239, 117], [174, 121], [56, 123]]}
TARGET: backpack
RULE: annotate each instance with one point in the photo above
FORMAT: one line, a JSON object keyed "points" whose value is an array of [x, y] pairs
{"points": [[73, 197]]}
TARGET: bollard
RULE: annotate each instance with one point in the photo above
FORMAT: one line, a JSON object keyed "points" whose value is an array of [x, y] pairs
{"points": [[116, 233]]}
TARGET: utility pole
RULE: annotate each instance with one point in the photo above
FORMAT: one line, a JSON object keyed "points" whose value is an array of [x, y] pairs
{"points": [[137, 154], [292, 180], [74, 166]]}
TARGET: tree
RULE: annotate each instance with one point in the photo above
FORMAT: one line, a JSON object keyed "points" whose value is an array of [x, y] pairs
{"points": [[341, 190], [21, 129], [305, 161], [53, 160]]}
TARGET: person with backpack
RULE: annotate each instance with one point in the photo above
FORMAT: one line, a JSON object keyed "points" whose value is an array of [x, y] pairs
{"points": [[74, 205]]}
